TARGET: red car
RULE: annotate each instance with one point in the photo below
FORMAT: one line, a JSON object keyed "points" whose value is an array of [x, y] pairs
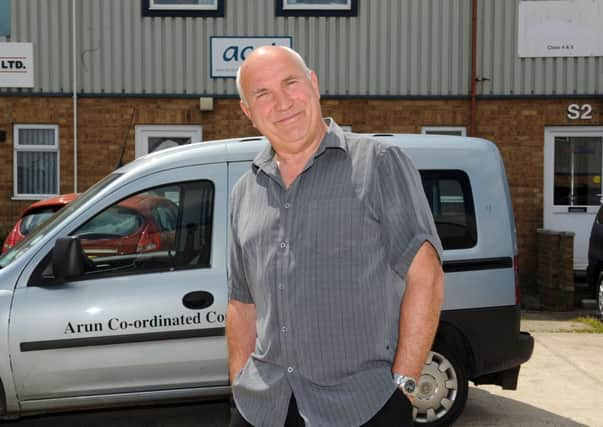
{"points": [[141, 223], [33, 216]]}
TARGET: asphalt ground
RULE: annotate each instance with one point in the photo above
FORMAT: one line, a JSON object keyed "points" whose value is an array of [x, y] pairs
{"points": [[561, 385]]}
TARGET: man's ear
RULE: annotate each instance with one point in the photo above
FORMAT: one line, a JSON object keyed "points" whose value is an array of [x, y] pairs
{"points": [[245, 109], [314, 81]]}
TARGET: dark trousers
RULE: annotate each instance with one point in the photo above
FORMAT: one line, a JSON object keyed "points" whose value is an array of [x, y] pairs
{"points": [[397, 412]]}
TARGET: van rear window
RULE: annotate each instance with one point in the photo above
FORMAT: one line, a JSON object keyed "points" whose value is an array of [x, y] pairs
{"points": [[451, 201]]}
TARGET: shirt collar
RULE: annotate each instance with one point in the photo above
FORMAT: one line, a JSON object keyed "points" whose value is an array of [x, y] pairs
{"points": [[334, 138]]}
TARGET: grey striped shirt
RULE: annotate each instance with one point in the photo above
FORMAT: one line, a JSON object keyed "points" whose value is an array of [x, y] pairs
{"points": [[324, 262]]}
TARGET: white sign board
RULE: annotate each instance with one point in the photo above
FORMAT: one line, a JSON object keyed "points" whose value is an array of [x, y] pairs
{"points": [[228, 53], [16, 65], [560, 28]]}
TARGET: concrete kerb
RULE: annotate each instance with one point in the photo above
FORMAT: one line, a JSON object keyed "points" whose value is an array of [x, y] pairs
{"points": [[551, 321]]}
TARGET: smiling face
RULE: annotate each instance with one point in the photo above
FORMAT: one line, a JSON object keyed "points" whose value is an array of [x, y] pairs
{"points": [[281, 98]]}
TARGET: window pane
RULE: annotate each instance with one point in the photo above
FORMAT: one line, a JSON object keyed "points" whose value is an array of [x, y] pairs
{"points": [[36, 137], [317, 2], [33, 219], [37, 172], [444, 132], [186, 2], [157, 143], [316, 7], [165, 217], [117, 221], [577, 171], [449, 195], [193, 240], [164, 228]]}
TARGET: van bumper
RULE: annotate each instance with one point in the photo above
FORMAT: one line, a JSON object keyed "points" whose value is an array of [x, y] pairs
{"points": [[495, 344]]}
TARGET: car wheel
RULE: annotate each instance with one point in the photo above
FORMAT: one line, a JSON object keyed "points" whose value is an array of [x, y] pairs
{"points": [[442, 389], [600, 298]]}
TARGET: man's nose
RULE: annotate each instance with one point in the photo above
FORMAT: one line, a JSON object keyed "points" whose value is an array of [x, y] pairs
{"points": [[282, 99]]}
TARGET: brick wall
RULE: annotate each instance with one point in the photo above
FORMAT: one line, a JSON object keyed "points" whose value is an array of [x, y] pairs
{"points": [[516, 126], [555, 269]]}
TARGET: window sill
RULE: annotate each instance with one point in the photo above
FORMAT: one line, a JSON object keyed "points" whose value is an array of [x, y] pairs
{"points": [[33, 197]]}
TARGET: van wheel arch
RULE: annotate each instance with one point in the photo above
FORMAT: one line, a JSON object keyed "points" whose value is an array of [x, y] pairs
{"points": [[451, 336]]}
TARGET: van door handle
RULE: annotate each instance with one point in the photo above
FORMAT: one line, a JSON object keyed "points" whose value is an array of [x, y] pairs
{"points": [[197, 300]]}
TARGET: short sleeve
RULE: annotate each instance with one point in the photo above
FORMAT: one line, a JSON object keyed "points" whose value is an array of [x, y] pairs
{"points": [[238, 287], [403, 209]]}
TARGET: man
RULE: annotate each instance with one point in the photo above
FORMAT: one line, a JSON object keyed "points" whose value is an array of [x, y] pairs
{"points": [[326, 227]]}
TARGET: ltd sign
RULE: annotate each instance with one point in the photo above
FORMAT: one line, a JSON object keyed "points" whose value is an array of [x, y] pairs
{"points": [[228, 53], [16, 65]]}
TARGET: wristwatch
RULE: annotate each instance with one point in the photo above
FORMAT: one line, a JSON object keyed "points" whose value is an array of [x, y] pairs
{"points": [[408, 385]]}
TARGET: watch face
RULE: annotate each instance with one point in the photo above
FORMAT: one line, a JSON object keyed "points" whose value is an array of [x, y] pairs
{"points": [[409, 386]]}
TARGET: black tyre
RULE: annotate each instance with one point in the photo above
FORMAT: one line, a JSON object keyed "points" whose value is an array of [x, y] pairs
{"points": [[442, 389]]}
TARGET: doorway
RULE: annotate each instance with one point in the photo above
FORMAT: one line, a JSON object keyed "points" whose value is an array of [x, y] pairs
{"points": [[573, 166]]}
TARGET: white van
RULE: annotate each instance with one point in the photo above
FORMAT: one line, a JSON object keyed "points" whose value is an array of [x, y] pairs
{"points": [[144, 322]]}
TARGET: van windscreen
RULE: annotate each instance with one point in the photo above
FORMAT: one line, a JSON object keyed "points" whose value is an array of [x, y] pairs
{"points": [[49, 224]]}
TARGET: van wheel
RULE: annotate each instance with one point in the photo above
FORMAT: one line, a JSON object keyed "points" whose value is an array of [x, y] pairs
{"points": [[442, 389]]}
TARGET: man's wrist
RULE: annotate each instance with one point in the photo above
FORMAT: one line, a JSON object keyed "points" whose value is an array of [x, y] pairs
{"points": [[408, 385]]}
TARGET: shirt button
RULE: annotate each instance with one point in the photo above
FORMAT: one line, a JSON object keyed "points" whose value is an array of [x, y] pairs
{"points": [[287, 205], [290, 369], [284, 329], [283, 245], [281, 286]]}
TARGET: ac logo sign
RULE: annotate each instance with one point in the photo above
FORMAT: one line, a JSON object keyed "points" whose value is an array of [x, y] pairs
{"points": [[227, 53], [232, 53]]}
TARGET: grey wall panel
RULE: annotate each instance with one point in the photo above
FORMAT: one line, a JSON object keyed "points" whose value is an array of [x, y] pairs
{"points": [[393, 48], [510, 75], [410, 47]]}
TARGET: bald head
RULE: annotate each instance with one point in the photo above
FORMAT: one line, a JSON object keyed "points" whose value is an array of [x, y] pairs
{"points": [[263, 54]]}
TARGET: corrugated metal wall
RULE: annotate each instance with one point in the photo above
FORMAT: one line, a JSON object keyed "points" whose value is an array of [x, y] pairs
{"points": [[508, 74], [394, 47]]}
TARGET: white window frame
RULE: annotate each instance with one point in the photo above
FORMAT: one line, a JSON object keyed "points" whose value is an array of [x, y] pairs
{"points": [[549, 165], [200, 7], [284, 8], [426, 129], [143, 132], [40, 148], [314, 6], [153, 9]]}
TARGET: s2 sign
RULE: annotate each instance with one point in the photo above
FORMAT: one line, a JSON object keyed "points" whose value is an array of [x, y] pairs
{"points": [[577, 111], [228, 53]]}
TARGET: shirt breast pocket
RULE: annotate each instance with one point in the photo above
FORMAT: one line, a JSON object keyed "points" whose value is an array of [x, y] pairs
{"points": [[336, 227]]}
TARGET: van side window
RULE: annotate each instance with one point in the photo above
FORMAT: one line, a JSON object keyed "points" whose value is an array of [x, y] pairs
{"points": [[451, 202], [162, 229]]}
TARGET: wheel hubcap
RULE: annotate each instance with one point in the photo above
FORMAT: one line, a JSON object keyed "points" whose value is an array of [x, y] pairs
{"points": [[601, 299], [437, 389]]}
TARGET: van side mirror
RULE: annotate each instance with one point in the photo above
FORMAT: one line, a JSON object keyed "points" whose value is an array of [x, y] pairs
{"points": [[69, 259]]}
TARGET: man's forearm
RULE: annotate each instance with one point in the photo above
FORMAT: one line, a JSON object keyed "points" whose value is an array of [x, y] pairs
{"points": [[240, 335], [419, 312]]}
